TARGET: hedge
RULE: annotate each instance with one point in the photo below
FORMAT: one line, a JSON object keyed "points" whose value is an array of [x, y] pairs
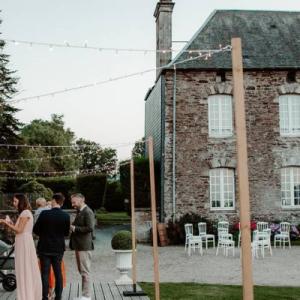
{"points": [[13, 185], [66, 186], [93, 188], [114, 198], [142, 182]]}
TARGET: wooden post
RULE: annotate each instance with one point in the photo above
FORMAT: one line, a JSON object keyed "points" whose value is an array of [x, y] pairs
{"points": [[134, 292], [153, 211], [133, 223], [242, 167]]}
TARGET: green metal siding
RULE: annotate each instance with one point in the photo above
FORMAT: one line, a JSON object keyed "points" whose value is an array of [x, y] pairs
{"points": [[153, 118], [155, 127]]}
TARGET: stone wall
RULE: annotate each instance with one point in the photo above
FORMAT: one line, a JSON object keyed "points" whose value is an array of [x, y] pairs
{"points": [[196, 152]]}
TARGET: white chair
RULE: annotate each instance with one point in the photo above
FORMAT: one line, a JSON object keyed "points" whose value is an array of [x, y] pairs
{"points": [[261, 226], [225, 241], [192, 241], [223, 227], [261, 241], [284, 235], [206, 237]]}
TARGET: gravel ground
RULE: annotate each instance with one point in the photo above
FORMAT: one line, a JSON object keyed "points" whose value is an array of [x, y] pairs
{"points": [[282, 269]]}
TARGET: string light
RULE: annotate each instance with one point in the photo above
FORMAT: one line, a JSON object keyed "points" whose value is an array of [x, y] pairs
{"points": [[3, 161], [85, 45], [74, 146], [45, 173], [32, 178], [209, 53]]}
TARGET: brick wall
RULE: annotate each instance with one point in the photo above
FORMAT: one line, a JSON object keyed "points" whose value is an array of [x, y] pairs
{"points": [[196, 153]]}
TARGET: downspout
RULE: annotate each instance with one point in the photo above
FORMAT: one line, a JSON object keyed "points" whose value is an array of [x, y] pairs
{"points": [[174, 148]]}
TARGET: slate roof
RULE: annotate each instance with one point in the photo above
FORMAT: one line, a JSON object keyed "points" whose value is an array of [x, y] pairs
{"points": [[270, 39]]}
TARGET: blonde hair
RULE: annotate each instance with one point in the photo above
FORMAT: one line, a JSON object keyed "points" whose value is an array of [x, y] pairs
{"points": [[41, 202]]}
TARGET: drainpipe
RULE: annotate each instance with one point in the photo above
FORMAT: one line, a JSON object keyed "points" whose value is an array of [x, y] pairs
{"points": [[174, 148]]}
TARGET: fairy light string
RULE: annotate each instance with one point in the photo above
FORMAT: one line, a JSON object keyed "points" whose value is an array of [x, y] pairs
{"points": [[87, 46], [202, 54]]}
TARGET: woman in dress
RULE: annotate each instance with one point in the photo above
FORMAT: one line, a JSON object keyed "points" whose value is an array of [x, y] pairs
{"points": [[29, 284]]}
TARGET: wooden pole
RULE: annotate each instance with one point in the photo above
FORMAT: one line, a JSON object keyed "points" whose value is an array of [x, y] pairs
{"points": [[134, 292], [133, 224], [154, 225], [242, 167]]}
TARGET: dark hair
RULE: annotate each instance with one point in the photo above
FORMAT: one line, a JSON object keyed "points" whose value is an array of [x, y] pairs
{"points": [[23, 202], [59, 198]]}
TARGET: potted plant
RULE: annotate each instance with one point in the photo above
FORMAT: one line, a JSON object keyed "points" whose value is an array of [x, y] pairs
{"points": [[121, 244]]}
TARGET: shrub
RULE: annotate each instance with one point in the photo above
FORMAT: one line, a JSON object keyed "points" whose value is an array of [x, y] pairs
{"points": [[114, 200], [176, 232], [13, 185], [142, 181], [36, 190], [122, 240], [93, 188], [66, 186]]}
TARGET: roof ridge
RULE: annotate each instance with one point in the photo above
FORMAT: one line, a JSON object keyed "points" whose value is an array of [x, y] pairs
{"points": [[257, 10], [278, 31]]}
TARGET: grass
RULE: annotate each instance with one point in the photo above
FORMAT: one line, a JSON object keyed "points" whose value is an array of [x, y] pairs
{"points": [[112, 218], [194, 291], [295, 242]]}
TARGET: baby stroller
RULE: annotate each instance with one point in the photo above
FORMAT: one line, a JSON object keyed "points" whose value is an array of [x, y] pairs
{"points": [[7, 265]]}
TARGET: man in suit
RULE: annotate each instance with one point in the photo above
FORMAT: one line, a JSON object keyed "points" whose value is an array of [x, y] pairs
{"points": [[81, 241], [52, 227]]}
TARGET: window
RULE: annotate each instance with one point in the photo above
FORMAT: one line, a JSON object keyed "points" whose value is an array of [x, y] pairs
{"points": [[220, 116], [290, 187], [289, 106], [221, 182]]}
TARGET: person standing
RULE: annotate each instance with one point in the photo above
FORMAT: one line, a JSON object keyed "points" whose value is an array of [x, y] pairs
{"points": [[52, 227], [29, 285], [81, 240], [41, 205]]}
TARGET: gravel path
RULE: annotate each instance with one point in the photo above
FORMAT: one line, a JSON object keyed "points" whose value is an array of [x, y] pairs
{"points": [[282, 269]]}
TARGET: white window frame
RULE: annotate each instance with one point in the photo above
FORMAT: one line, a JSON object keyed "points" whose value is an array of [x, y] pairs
{"points": [[291, 180], [288, 100], [222, 185], [216, 105]]}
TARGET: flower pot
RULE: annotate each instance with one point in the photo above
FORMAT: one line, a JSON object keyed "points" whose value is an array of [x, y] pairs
{"points": [[124, 265]]}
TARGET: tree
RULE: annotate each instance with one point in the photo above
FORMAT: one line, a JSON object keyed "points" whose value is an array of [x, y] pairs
{"points": [[92, 156], [9, 124], [36, 190], [138, 150], [52, 133]]}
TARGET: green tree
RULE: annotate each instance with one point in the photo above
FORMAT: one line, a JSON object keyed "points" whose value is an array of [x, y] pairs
{"points": [[52, 133], [138, 150], [36, 190], [9, 124], [92, 156]]}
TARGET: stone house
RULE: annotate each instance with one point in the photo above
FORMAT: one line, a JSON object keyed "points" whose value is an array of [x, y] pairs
{"points": [[197, 152]]}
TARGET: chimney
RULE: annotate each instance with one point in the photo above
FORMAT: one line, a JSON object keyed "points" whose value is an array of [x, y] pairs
{"points": [[163, 16]]}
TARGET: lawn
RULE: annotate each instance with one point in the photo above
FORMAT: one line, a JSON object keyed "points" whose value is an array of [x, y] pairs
{"points": [[296, 242], [193, 291], [112, 218]]}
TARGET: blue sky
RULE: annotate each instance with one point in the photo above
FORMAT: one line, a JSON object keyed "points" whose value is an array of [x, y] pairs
{"points": [[110, 113]]}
